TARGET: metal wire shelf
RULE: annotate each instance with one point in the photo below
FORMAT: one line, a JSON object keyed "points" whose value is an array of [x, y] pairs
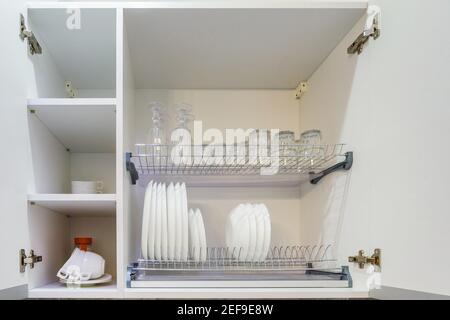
{"points": [[151, 159], [279, 258], [290, 266]]}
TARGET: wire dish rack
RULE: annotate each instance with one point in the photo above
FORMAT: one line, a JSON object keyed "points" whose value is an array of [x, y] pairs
{"points": [[279, 258], [302, 266], [152, 159]]}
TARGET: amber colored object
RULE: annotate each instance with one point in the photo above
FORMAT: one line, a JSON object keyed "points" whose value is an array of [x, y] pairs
{"points": [[83, 243]]}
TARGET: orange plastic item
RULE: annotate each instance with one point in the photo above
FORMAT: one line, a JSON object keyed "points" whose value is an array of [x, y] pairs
{"points": [[83, 243]]}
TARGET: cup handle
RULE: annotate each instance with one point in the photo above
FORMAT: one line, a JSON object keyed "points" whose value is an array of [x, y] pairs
{"points": [[100, 186], [62, 274]]}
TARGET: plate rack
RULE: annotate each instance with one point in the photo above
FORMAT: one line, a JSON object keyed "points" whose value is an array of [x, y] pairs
{"points": [[316, 161]]}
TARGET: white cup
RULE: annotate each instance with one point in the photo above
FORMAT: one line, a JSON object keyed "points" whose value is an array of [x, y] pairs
{"points": [[87, 187], [93, 265], [74, 260], [82, 266]]}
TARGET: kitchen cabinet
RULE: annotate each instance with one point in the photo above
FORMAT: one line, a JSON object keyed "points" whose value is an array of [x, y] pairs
{"points": [[239, 65]]}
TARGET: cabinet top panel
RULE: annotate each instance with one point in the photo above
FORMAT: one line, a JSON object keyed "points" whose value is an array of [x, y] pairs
{"points": [[81, 44], [232, 48], [306, 4]]}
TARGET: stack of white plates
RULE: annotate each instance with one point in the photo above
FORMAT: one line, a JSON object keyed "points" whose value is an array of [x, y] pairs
{"points": [[248, 232], [166, 225]]}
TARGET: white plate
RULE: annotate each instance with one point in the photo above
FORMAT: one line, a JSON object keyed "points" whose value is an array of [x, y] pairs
{"points": [[194, 243], [145, 218], [164, 231], [178, 222], [185, 229], [103, 279], [241, 234], [253, 235], [158, 223], [152, 226], [229, 241], [230, 230], [171, 216], [259, 232], [267, 232], [202, 235]]}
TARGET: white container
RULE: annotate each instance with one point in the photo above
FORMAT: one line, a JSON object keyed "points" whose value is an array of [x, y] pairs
{"points": [[87, 187]]}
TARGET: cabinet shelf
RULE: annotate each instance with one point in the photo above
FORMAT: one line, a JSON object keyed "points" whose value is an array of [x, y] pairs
{"points": [[81, 125], [59, 290], [77, 204], [290, 166]]}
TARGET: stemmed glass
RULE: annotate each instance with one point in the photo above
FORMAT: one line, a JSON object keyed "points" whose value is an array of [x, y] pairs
{"points": [[184, 116], [156, 136]]}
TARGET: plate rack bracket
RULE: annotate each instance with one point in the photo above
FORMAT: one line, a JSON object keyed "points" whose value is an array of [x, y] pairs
{"points": [[131, 168], [344, 165]]}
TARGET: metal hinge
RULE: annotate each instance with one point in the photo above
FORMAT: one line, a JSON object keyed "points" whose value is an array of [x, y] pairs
{"points": [[33, 44], [362, 260], [30, 260], [301, 89], [371, 29]]}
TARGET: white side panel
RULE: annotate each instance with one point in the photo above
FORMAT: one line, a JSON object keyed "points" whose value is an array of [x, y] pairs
{"points": [[94, 167], [84, 53], [130, 234], [338, 207], [391, 105], [50, 160], [120, 162], [48, 234], [45, 79]]}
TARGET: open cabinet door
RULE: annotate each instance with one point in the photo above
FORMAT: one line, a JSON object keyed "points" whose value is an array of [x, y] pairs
{"points": [[13, 160]]}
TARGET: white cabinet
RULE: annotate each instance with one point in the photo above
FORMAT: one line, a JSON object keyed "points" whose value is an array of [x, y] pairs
{"points": [[238, 64]]}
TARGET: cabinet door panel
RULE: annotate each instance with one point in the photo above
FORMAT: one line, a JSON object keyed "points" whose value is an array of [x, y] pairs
{"points": [[14, 145]]}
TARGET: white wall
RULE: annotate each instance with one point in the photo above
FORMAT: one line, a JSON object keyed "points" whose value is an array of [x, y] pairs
{"points": [[222, 109], [390, 104]]}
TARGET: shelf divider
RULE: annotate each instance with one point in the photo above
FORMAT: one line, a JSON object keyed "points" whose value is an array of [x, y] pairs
{"points": [[77, 204]]}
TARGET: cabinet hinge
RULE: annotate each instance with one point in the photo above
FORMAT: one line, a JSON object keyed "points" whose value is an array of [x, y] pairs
{"points": [[301, 89], [371, 29], [33, 44], [30, 260], [362, 260]]}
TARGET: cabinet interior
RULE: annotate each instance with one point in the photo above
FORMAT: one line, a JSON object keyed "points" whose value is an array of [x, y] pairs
{"points": [[78, 50], [240, 70]]}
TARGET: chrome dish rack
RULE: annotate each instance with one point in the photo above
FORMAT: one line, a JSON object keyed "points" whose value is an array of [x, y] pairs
{"points": [[315, 161], [302, 266]]}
